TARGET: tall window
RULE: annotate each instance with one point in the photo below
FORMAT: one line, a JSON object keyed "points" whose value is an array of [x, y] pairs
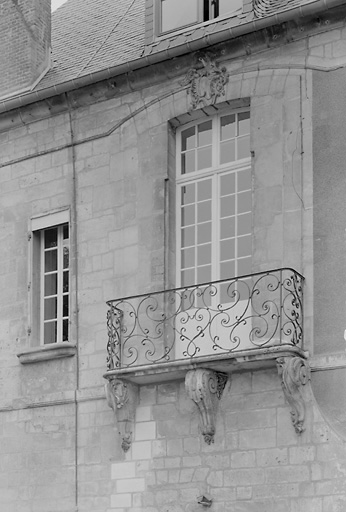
{"points": [[214, 211], [55, 249], [175, 14]]}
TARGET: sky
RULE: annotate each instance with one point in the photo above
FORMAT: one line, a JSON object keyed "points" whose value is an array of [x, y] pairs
{"points": [[56, 4]]}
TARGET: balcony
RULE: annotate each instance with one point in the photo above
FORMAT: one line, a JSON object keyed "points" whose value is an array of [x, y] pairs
{"points": [[237, 324]]}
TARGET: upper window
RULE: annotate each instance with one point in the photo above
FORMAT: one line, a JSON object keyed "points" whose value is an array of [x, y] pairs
{"points": [[176, 14], [214, 193]]}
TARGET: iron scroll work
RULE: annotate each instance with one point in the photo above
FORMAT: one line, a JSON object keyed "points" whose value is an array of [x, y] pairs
{"points": [[205, 84], [225, 317]]}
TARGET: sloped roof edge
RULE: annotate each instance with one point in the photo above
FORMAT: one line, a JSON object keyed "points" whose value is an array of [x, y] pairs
{"points": [[302, 11]]}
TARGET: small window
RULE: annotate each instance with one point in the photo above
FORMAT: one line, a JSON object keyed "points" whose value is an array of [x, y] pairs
{"points": [[176, 14], [50, 285]]}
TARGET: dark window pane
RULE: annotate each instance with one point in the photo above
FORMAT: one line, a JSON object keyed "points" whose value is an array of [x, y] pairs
{"points": [[204, 254], [50, 284], [188, 257], [244, 202], [244, 224], [204, 158], [227, 228], [188, 162], [188, 215], [66, 257], [50, 332], [227, 249], [178, 13], [227, 152], [50, 260], [244, 180], [188, 194], [50, 308], [244, 123], [188, 139], [204, 134], [65, 231], [65, 330], [227, 206], [187, 237], [227, 184], [227, 270], [204, 274], [204, 211], [228, 127], [188, 277], [204, 233], [65, 309], [65, 285], [204, 190], [244, 246], [51, 238], [243, 144], [244, 266]]}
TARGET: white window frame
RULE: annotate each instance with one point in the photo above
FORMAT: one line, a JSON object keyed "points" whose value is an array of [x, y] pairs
{"points": [[214, 171], [38, 226]]}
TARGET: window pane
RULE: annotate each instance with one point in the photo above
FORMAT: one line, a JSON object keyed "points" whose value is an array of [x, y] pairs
{"points": [[227, 184], [188, 194], [65, 282], [188, 139], [187, 237], [50, 308], [204, 211], [243, 144], [244, 266], [65, 232], [204, 133], [188, 257], [227, 227], [244, 224], [227, 151], [50, 238], [204, 254], [227, 249], [203, 158], [50, 284], [244, 246], [204, 190], [188, 215], [244, 123], [177, 13], [227, 270], [244, 202], [66, 257], [204, 233], [65, 330], [227, 206], [188, 277], [50, 332], [228, 127], [204, 274], [50, 260], [244, 180], [188, 162], [65, 306]]}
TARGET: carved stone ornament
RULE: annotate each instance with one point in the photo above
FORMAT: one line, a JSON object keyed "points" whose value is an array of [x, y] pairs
{"points": [[205, 85], [294, 373], [122, 397], [205, 387]]}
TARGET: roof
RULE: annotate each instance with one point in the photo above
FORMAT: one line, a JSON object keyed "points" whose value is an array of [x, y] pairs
{"points": [[92, 35]]}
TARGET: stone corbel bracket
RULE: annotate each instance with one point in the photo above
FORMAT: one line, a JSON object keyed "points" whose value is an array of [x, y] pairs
{"points": [[294, 373], [205, 388], [122, 397]]}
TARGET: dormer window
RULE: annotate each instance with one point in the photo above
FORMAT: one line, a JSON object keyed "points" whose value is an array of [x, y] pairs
{"points": [[176, 14]]}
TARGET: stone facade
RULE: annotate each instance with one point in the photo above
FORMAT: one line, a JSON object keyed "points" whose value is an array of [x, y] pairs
{"points": [[106, 153]]}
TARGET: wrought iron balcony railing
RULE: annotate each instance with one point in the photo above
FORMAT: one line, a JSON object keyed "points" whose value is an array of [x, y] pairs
{"points": [[256, 311]]}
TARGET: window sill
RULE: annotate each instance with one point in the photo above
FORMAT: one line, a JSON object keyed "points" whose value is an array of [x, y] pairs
{"points": [[46, 353]]}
